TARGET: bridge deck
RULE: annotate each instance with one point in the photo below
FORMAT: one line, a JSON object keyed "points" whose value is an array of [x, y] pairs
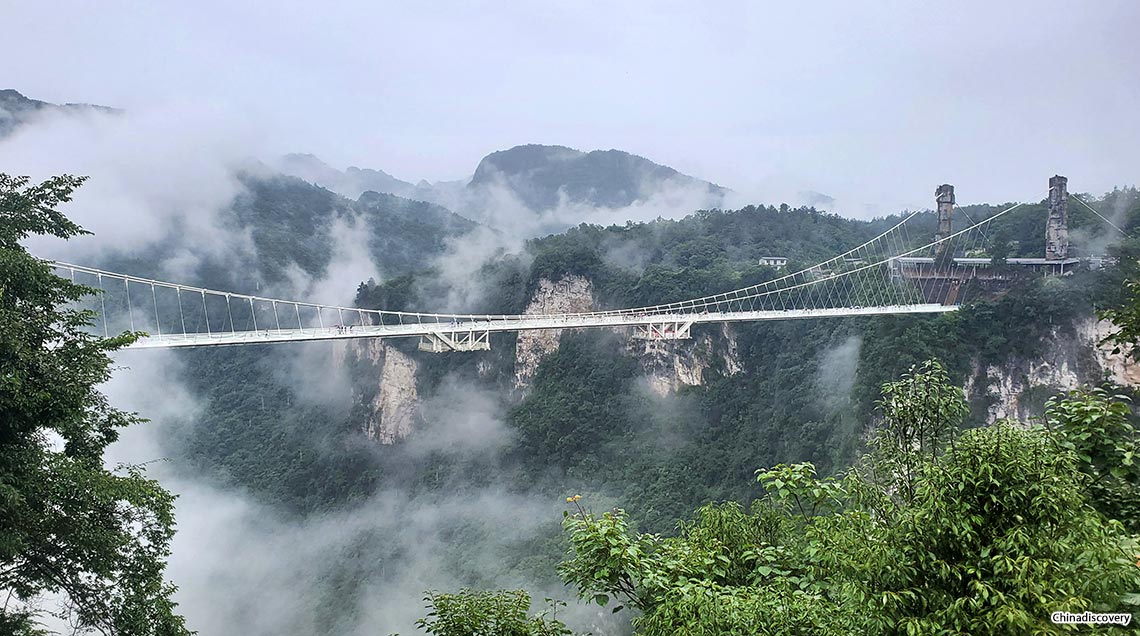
{"points": [[521, 323]]}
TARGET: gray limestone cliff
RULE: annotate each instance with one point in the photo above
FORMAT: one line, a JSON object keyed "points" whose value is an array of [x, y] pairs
{"points": [[387, 398], [572, 294], [1018, 387], [669, 365], [385, 386]]}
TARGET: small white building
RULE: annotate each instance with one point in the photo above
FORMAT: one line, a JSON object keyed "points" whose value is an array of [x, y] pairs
{"points": [[777, 262]]}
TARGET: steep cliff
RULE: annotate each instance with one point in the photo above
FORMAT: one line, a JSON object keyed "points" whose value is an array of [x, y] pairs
{"points": [[666, 365], [569, 295], [386, 390], [385, 378], [669, 365], [1117, 367], [1018, 387]]}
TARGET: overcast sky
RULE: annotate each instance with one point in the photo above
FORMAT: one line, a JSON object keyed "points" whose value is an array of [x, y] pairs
{"points": [[872, 105]]}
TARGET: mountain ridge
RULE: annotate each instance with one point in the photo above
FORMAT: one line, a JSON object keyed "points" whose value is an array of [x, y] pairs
{"points": [[547, 183], [17, 109], [543, 176]]}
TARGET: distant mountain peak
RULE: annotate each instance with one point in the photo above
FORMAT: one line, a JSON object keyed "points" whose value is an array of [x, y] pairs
{"points": [[12, 99], [304, 157], [351, 182], [543, 176], [16, 109], [540, 177]]}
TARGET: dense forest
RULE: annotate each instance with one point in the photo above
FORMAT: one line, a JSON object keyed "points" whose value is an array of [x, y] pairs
{"points": [[585, 422]]}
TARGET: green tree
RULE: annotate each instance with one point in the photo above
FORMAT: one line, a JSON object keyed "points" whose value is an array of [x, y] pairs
{"points": [[921, 413], [992, 534], [729, 571], [1126, 315], [98, 539], [1096, 427], [998, 536], [1000, 248], [499, 613]]}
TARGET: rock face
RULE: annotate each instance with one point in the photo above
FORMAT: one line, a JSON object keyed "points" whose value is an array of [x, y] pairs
{"points": [[1016, 388], [570, 295], [1057, 225], [392, 401], [667, 365], [385, 377], [670, 365], [1118, 367]]}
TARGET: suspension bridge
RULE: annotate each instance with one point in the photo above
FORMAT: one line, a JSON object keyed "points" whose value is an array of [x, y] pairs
{"points": [[883, 276]]}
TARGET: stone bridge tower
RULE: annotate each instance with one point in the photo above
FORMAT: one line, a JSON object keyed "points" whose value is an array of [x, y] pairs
{"points": [[1057, 227], [944, 196]]}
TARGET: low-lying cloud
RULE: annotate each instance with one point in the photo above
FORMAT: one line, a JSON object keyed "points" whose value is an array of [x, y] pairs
{"points": [[244, 568], [1101, 235], [462, 419], [835, 377], [152, 173]]}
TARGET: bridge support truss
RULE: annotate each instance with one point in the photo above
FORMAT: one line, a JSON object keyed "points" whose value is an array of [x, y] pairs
{"points": [[456, 341], [669, 330]]}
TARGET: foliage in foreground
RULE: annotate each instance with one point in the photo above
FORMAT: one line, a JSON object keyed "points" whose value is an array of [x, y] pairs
{"points": [[934, 531], [68, 527], [502, 613], [1124, 310], [986, 533], [1097, 428]]}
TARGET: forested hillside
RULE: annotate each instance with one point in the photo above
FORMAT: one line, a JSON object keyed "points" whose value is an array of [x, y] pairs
{"points": [[534, 189], [542, 177], [587, 419], [16, 110], [804, 390], [257, 432], [574, 319]]}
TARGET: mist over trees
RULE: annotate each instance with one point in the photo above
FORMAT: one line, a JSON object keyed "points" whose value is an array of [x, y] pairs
{"points": [[588, 425]]}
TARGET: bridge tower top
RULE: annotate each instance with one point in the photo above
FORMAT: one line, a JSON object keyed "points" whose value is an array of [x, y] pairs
{"points": [[944, 197], [1057, 227]]}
